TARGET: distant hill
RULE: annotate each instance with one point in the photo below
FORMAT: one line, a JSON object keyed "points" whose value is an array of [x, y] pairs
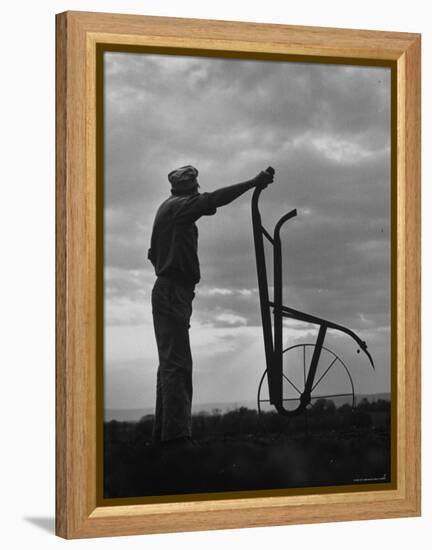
{"points": [[133, 415]]}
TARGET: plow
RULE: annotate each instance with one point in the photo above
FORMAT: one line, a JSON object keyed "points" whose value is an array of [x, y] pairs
{"points": [[295, 376]]}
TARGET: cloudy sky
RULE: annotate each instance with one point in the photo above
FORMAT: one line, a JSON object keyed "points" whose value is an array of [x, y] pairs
{"points": [[326, 131]]}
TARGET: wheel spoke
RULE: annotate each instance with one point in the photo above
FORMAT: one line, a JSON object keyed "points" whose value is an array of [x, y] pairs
{"points": [[294, 399], [292, 384], [304, 365], [291, 399], [332, 395], [312, 397], [326, 371]]}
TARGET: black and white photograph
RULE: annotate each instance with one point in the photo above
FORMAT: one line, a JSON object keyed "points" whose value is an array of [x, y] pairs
{"points": [[247, 275]]}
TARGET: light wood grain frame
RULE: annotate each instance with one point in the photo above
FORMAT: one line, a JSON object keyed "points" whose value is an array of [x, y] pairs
{"points": [[77, 511]]}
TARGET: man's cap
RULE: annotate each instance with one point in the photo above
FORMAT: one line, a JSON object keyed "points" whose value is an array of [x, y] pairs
{"points": [[183, 177]]}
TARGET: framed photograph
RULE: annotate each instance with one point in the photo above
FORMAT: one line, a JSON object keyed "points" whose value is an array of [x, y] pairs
{"points": [[237, 274]]}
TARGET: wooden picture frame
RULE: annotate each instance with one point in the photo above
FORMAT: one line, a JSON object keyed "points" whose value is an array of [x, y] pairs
{"points": [[79, 35]]}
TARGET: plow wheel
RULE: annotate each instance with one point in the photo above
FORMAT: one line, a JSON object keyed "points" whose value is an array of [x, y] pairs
{"points": [[333, 382]]}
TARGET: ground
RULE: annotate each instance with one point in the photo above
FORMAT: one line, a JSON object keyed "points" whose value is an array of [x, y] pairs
{"points": [[238, 451]]}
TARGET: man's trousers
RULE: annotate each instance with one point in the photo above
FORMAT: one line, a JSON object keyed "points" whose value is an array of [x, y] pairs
{"points": [[172, 310]]}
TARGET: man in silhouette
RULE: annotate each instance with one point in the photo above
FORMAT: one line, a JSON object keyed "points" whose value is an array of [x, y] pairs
{"points": [[174, 255]]}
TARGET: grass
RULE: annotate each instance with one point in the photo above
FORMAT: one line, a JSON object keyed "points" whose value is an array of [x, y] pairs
{"points": [[336, 447]]}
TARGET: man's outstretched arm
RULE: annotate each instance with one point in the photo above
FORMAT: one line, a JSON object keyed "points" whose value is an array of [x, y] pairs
{"points": [[225, 195]]}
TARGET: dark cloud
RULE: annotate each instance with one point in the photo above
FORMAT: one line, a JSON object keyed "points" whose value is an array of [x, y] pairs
{"points": [[158, 115]]}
